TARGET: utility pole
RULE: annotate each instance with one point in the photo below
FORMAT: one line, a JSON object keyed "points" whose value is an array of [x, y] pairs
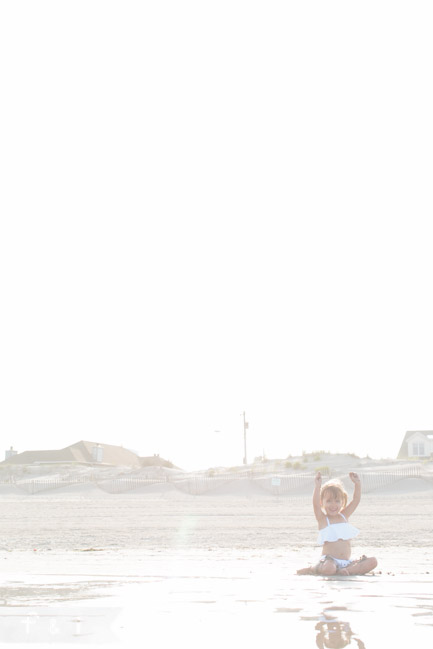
{"points": [[245, 438]]}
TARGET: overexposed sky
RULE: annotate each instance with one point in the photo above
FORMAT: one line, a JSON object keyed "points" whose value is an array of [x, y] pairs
{"points": [[212, 207]]}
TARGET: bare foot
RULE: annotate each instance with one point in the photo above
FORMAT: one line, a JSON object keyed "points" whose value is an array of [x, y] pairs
{"points": [[343, 571]]}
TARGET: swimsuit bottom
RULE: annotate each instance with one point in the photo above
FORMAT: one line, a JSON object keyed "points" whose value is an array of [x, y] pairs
{"points": [[340, 563]]}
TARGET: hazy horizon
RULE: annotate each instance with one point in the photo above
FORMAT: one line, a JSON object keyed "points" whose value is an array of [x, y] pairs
{"points": [[191, 465]]}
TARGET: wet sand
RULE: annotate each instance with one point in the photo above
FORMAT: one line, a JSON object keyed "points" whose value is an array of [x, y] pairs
{"points": [[85, 568]]}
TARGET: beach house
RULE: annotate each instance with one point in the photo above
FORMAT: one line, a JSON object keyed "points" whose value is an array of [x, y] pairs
{"points": [[82, 452], [87, 453], [417, 444]]}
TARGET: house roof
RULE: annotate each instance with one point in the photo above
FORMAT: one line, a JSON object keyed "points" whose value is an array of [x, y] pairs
{"points": [[79, 452], [404, 451], [29, 457], [116, 455]]}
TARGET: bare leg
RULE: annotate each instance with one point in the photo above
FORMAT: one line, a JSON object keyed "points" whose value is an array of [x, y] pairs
{"points": [[311, 570], [327, 567], [360, 567]]}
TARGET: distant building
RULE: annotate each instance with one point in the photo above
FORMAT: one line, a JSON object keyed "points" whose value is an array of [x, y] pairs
{"points": [[10, 453], [80, 453], [97, 453], [417, 444]]}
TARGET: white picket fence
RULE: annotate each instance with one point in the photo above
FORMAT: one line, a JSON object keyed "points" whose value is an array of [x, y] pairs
{"points": [[277, 484]]}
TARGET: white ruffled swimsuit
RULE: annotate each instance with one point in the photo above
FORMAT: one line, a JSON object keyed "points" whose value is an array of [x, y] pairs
{"points": [[336, 531]]}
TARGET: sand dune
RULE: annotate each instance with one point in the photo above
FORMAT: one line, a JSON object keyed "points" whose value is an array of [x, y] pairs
{"points": [[273, 478]]}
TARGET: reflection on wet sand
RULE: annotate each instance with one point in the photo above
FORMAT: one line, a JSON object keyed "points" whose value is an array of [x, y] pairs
{"points": [[13, 594], [335, 634]]}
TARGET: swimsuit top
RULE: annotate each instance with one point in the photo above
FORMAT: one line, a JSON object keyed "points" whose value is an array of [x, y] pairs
{"points": [[336, 531]]}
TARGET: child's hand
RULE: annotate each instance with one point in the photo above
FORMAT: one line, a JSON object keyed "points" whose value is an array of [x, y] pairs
{"points": [[354, 477], [318, 479]]}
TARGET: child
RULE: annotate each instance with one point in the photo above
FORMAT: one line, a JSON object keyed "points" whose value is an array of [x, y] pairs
{"points": [[335, 532]]}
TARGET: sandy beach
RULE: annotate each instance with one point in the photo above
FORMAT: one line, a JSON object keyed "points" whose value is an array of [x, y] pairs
{"points": [[84, 566]]}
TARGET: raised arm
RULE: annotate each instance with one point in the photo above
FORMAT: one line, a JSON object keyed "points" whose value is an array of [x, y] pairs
{"points": [[316, 497], [356, 499]]}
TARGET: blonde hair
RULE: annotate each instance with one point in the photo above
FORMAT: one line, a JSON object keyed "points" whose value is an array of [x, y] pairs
{"points": [[337, 490]]}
